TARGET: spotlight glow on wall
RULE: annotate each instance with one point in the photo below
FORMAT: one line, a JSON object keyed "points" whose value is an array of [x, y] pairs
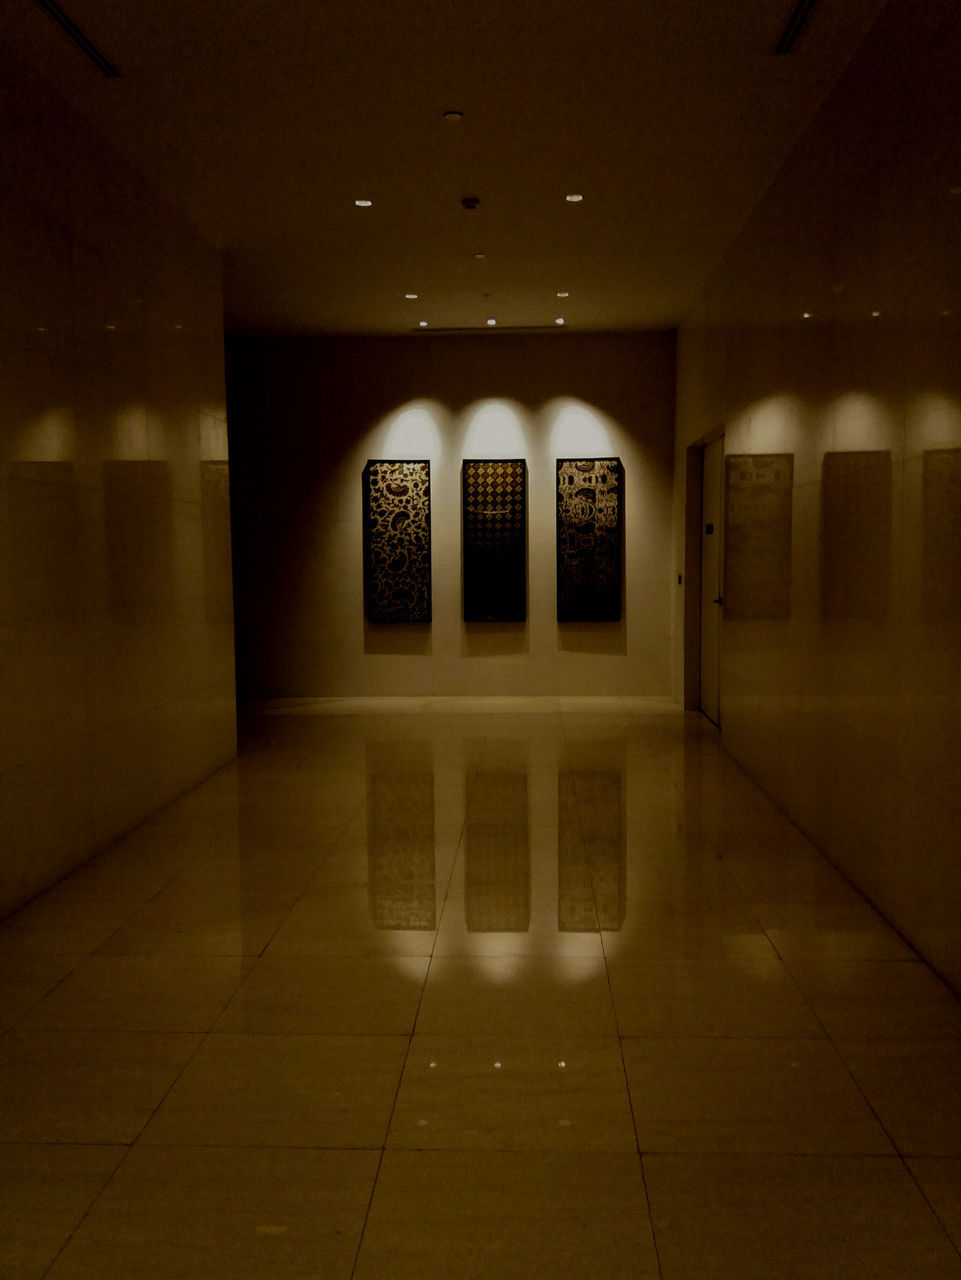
{"points": [[578, 430], [495, 429]]}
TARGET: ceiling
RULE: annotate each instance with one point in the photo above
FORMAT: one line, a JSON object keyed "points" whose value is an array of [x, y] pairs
{"points": [[264, 120]]}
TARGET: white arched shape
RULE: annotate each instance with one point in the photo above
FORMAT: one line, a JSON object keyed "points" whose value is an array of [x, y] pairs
{"points": [[413, 431], [495, 429], [579, 431]]}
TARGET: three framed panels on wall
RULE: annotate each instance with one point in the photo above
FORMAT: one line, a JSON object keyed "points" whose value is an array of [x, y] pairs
{"points": [[590, 540]]}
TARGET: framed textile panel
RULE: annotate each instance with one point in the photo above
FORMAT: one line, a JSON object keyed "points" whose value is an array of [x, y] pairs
{"points": [[940, 550], [590, 538], [856, 487], [494, 515], [397, 541], [758, 492]]}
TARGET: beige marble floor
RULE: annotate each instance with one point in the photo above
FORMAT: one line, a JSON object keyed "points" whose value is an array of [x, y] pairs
{"points": [[498, 988]]}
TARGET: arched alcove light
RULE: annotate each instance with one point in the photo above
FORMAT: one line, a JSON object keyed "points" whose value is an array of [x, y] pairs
{"points": [[131, 434], [577, 430], [863, 421], [933, 422], [495, 429], [773, 424], [412, 431], [51, 437], [213, 440]]}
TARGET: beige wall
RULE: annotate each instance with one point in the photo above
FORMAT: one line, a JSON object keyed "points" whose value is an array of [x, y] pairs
{"points": [[306, 415], [853, 723], [116, 651]]}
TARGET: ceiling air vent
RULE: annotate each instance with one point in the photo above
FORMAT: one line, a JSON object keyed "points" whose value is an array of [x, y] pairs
{"points": [[80, 38], [795, 25]]}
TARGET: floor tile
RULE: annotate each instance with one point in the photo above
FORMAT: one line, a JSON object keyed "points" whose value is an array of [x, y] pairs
{"points": [[740, 989], [67, 1086], [517, 1216], [141, 993], [915, 1088], [225, 1214], [829, 931], [284, 1090], [16, 999], [512, 1093], [45, 1190], [878, 998], [796, 1218], [64, 924], [761, 1096], [331, 995], [184, 922], [516, 995], [940, 1180], [360, 921]]}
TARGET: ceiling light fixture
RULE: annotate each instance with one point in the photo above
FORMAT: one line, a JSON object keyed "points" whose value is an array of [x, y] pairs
{"points": [[559, 320], [453, 116], [411, 297], [479, 257], [574, 198], [805, 315], [875, 314], [363, 204], [563, 294], [491, 320], [422, 324]]}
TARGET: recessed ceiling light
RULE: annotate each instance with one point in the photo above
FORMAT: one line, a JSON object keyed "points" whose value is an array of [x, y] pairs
{"points": [[480, 256], [491, 320], [559, 320], [805, 315], [410, 296], [574, 198], [563, 294], [875, 314], [453, 116], [110, 327], [422, 323], [363, 204]]}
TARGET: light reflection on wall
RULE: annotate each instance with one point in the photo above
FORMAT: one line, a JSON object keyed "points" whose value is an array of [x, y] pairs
{"points": [[131, 433], [863, 421], [51, 437], [933, 421], [413, 431], [578, 431], [773, 424], [495, 429]]}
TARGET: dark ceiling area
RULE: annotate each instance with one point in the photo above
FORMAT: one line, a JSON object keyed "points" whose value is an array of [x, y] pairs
{"points": [[266, 121]]}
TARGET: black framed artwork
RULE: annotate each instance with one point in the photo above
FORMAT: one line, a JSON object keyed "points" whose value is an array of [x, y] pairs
{"points": [[397, 581], [590, 538], [494, 521]]}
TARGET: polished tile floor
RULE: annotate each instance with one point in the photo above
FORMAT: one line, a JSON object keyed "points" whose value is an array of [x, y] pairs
{"points": [[470, 989]]}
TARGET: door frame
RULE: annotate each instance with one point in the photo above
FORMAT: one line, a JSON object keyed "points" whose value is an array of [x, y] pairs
{"points": [[694, 494]]}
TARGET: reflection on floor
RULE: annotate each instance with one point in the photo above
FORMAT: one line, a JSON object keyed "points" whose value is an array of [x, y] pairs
{"points": [[532, 988]]}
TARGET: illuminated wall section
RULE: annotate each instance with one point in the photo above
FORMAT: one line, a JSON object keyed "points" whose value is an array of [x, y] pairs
{"points": [[455, 402], [831, 334], [116, 624]]}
